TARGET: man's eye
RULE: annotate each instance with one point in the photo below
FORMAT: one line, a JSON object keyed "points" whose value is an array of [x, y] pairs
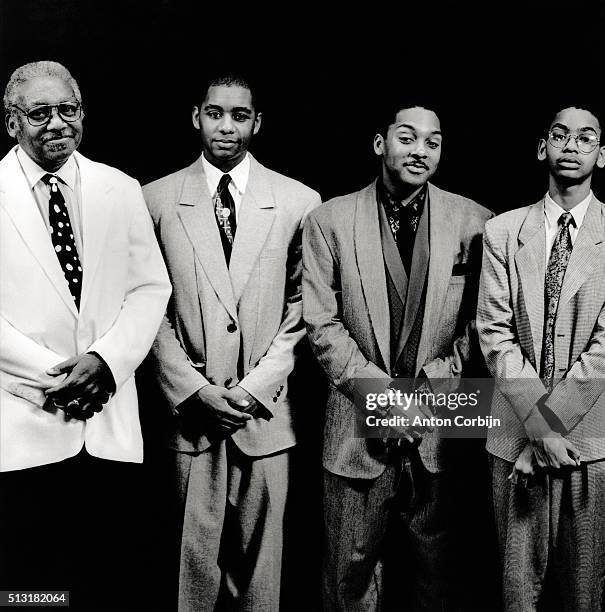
{"points": [[586, 139], [406, 139], [433, 144], [240, 117], [213, 114], [68, 110], [37, 114], [558, 136]]}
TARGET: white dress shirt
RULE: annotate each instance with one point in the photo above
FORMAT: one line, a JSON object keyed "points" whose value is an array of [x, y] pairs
{"points": [[552, 212], [69, 185], [239, 180]]}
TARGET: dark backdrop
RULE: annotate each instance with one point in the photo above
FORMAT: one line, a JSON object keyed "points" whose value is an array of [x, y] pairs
{"points": [[497, 67]]}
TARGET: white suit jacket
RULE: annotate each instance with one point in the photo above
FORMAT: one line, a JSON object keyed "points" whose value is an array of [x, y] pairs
{"points": [[125, 289]]}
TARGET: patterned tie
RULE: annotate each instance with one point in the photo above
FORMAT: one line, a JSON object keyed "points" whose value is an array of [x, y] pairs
{"points": [[62, 236], [224, 207], [555, 271]]}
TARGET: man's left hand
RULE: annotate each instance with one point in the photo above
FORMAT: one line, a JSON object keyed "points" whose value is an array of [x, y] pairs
{"points": [[84, 385], [239, 398]]}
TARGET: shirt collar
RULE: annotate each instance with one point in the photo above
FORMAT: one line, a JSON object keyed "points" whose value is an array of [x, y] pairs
{"points": [[553, 211], [239, 174], [33, 172], [415, 206]]}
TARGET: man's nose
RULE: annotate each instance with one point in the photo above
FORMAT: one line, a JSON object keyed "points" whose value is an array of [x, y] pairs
{"points": [[419, 150], [56, 122], [226, 124], [569, 146]]}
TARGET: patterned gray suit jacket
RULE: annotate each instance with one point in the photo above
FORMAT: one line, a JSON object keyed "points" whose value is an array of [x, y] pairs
{"points": [[346, 310], [510, 319]]}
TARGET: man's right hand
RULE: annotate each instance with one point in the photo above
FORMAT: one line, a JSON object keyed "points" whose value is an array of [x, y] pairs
{"points": [[218, 412], [551, 449]]}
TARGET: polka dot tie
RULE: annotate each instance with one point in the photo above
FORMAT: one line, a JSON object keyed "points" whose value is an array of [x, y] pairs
{"points": [[555, 272], [62, 236]]}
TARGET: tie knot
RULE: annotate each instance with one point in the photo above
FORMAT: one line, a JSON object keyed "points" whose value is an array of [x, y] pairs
{"points": [[566, 219], [224, 182], [51, 180]]}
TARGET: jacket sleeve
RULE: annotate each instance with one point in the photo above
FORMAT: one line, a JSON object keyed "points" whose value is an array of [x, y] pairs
{"points": [[128, 340], [515, 375], [273, 369], [338, 353]]}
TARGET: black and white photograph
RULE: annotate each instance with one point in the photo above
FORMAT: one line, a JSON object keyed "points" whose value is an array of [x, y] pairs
{"points": [[303, 308]]}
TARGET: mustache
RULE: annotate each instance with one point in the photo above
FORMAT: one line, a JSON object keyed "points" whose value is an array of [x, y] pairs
{"points": [[64, 133]]}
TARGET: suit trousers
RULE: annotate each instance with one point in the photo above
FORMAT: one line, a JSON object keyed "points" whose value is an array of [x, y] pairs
{"points": [[551, 538], [75, 526], [387, 542], [232, 532]]}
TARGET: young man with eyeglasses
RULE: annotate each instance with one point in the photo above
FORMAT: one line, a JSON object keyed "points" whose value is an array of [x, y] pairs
{"points": [[83, 289], [541, 322]]}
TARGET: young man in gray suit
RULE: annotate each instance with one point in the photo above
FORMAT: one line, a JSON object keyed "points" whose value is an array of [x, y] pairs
{"points": [[388, 283], [230, 230], [541, 321]]}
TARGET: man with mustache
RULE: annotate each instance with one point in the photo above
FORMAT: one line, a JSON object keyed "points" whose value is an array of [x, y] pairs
{"points": [[82, 292], [389, 285], [230, 230], [541, 322]]}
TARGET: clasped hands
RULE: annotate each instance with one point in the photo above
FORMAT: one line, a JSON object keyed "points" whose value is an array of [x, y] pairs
{"points": [[227, 410], [545, 449], [84, 390]]}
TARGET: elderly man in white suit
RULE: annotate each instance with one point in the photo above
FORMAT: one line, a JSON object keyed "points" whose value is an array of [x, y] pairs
{"points": [[82, 292]]}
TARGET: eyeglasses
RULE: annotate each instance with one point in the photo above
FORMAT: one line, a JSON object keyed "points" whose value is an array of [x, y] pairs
{"points": [[586, 142], [40, 115]]}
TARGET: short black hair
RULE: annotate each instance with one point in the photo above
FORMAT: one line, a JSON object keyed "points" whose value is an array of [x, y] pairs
{"points": [[231, 79], [555, 107], [393, 102]]}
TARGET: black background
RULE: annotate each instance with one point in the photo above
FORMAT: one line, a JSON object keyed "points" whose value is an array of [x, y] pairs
{"points": [[498, 67]]}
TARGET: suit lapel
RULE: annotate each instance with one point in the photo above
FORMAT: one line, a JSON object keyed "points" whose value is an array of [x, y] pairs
{"points": [[531, 268], [443, 233], [392, 257], [584, 254], [196, 213], [256, 216], [97, 210], [420, 262], [368, 249], [20, 205]]}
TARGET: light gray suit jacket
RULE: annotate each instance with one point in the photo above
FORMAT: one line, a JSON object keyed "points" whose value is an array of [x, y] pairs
{"points": [[346, 309], [510, 321], [258, 298]]}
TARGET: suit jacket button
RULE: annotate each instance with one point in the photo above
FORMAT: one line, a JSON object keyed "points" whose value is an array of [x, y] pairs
{"points": [[231, 328], [275, 399], [281, 387], [228, 381], [278, 393]]}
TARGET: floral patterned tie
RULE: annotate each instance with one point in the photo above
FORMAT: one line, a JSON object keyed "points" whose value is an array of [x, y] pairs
{"points": [[555, 271]]}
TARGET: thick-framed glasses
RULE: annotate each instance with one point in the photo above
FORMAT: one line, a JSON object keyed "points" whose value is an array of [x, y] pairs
{"points": [[586, 142], [40, 115]]}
